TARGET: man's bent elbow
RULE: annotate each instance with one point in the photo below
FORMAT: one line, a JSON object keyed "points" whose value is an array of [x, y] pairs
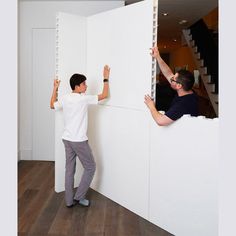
{"points": [[102, 96], [161, 123], [164, 121], [105, 96]]}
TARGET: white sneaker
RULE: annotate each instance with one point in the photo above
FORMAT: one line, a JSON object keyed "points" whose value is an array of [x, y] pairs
{"points": [[84, 202]]}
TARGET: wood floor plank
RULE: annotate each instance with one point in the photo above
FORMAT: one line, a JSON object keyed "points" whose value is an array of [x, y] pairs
{"points": [[129, 224], [26, 199], [32, 212], [43, 175], [113, 219], [44, 221], [26, 172], [96, 214], [42, 211], [149, 229], [24, 168], [63, 219], [34, 208], [22, 234], [79, 220]]}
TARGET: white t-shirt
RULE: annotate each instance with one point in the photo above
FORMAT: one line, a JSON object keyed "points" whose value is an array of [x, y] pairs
{"points": [[75, 112]]}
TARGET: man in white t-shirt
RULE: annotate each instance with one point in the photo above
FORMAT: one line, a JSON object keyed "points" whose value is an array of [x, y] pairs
{"points": [[75, 111]]}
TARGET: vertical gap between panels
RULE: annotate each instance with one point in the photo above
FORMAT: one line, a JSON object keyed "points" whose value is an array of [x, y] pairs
{"points": [[154, 40], [57, 48]]}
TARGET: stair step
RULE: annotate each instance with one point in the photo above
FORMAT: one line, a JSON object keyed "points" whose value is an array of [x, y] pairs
{"points": [[206, 78], [203, 71], [209, 78], [200, 63], [192, 43], [211, 88], [188, 31], [195, 49]]}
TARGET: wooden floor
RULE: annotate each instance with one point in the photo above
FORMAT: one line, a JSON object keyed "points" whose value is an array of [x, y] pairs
{"points": [[41, 211]]}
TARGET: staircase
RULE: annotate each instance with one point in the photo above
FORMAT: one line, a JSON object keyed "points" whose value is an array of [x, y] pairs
{"points": [[209, 74]]}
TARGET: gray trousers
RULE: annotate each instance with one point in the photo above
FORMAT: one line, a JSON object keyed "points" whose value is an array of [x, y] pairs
{"points": [[84, 153]]}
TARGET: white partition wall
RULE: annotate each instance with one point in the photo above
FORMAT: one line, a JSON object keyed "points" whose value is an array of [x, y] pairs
{"points": [[85, 45], [184, 176], [168, 175], [122, 38], [118, 131], [120, 141]]}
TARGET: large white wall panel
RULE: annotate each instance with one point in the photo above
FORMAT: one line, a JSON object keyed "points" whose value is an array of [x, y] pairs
{"points": [[122, 38], [120, 141], [71, 48], [184, 176]]}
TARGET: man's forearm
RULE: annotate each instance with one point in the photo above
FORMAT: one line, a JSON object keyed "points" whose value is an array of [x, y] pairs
{"points": [[160, 119], [105, 91], [165, 69], [53, 98], [156, 115]]}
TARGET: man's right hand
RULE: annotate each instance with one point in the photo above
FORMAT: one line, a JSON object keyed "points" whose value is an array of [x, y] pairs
{"points": [[56, 83], [106, 72], [155, 52]]}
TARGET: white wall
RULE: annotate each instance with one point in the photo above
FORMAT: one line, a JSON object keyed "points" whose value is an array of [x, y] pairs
{"points": [[120, 140], [168, 175], [227, 190], [43, 70], [8, 117], [122, 38], [36, 14], [107, 39], [184, 162]]}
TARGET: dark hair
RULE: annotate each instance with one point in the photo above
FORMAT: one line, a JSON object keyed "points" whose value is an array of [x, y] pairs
{"points": [[76, 79], [186, 79]]}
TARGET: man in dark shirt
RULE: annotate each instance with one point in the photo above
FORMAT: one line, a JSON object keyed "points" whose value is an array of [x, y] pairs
{"points": [[186, 100]]}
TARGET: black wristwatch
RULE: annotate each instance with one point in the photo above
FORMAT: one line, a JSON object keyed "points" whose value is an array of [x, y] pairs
{"points": [[105, 80]]}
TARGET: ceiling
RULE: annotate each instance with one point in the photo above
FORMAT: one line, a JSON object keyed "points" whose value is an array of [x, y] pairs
{"points": [[169, 27]]}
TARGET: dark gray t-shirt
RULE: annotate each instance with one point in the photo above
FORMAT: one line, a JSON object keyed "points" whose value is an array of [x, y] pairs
{"points": [[187, 104]]}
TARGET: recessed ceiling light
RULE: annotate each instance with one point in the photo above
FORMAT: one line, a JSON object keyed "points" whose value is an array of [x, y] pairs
{"points": [[165, 13], [175, 40], [183, 22]]}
